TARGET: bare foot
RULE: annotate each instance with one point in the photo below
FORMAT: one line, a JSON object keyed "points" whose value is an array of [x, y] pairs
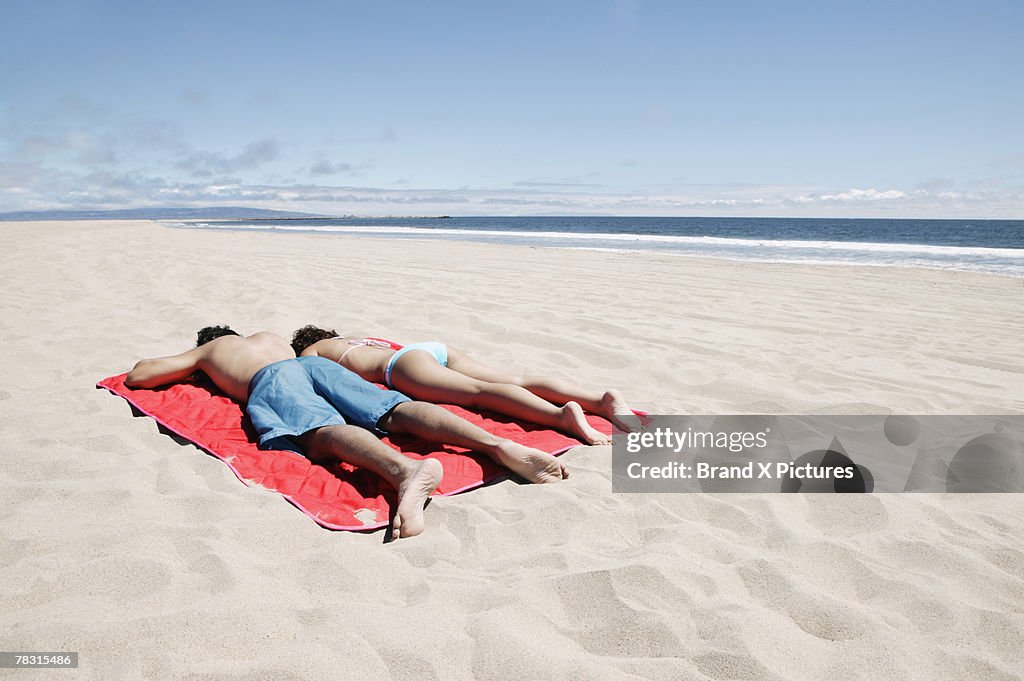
{"points": [[573, 420], [532, 464], [615, 409], [412, 495]]}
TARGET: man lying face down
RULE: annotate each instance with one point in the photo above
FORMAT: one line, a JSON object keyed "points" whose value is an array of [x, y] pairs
{"points": [[333, 414]]}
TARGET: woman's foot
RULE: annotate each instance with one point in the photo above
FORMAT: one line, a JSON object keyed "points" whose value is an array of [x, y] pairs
{"points": [[615, 409], [574, 421]]}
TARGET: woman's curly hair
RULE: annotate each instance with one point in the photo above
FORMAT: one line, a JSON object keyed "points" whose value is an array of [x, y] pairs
{"points": [[308, 335]]}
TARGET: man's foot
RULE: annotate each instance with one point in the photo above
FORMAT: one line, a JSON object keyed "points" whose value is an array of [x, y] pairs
{"points": [[532, 464], [412, 495], [574, 421], [615, 409]]}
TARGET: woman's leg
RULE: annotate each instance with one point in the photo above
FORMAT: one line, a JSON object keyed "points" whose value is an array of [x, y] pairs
{"points": [[609, 404], [417, 374]]}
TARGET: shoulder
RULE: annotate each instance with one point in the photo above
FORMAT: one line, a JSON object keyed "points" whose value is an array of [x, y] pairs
{"points": [[216, 345], [262, 339], [319, 349], [259, 335]]}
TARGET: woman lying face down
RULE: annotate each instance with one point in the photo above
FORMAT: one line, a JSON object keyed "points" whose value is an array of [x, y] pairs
{"points": [[437, 372]]}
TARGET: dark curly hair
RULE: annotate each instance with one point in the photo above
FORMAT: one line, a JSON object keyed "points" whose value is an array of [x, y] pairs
{"points": [[308, 335], [208, 333]]}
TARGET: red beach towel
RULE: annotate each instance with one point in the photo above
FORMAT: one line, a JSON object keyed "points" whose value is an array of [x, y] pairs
{"points": [[342, 497]]}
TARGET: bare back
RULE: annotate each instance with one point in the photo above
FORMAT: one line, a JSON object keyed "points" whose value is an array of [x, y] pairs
{"points": [[232, 361], [366, 361]]}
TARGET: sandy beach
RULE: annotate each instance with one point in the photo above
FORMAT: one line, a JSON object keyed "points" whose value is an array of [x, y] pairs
{"points": [[149, 558]]}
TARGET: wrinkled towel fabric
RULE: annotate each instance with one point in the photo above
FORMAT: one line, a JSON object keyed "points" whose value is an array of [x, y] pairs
{"points": [[341, 497]]}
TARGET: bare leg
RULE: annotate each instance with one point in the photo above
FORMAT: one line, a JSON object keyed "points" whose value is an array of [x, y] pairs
{"points": [[609, 404], [418, 375], [414, 479], [431, 422]]}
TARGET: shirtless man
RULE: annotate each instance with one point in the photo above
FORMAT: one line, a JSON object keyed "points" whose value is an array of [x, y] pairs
{"points": [[333, 414]]}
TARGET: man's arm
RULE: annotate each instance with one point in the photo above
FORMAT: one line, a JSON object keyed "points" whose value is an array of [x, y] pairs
{"points": [[150, 373]]}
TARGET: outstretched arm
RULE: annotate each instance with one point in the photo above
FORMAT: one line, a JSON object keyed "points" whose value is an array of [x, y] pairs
{"points": [[150, 373]]}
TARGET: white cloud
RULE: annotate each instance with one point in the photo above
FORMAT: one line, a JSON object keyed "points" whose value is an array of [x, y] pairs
{"points": [[33, 184], [864, 195], [208, 164], [323, 166]]}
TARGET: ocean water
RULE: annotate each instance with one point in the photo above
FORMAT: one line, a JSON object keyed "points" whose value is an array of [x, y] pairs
{"points": [[994, 246]]}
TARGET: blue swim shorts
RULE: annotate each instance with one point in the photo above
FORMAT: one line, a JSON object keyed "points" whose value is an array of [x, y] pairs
{"points": [[294, 396]]}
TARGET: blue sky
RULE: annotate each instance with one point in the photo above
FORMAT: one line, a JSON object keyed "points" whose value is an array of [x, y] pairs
{"points": [[911, 109]]}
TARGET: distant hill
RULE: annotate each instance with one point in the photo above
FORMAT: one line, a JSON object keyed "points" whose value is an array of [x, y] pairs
{"points": [[217, 213]]}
